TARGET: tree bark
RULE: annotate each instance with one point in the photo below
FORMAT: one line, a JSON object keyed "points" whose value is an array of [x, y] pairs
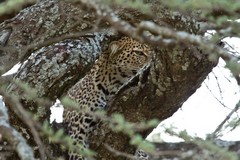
{"points": [[174, 75]]}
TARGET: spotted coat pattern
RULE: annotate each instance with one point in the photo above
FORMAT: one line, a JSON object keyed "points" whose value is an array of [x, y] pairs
{"points": [[117, 65]]}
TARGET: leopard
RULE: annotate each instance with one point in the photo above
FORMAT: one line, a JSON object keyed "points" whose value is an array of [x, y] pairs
{"points": [[117, 65]]}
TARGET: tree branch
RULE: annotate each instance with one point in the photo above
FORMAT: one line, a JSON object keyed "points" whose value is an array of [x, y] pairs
{"points": [[14, 137], [175, 72], [220, 126]]}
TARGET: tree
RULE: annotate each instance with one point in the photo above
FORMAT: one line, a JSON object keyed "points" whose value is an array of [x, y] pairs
{"points": [[72, 35]]}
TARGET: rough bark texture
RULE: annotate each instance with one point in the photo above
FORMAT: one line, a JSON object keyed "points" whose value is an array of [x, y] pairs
{"points": [[37, 24], [174, 75]]}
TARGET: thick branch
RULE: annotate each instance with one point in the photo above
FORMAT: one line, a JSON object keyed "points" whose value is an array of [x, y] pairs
{"points": [[38, 24], [174, 75]]}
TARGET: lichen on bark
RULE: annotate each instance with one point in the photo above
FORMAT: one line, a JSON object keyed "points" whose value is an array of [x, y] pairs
{"points": [[174, 75]]}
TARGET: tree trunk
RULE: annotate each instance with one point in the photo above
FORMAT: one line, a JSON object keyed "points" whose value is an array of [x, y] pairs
{"points": [[174, 75]]}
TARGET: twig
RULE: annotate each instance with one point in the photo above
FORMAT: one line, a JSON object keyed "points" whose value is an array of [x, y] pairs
{"points": [[215, 97], [118, 153], [218, 85], [214, 134], [161, 36], [24, 151], [19, 110]]}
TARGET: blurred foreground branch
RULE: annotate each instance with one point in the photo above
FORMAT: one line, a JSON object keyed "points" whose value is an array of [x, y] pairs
{"points": [[179, 66], [188, 150], [14, 137]]}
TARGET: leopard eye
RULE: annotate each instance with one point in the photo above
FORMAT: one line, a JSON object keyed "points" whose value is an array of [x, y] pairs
{"points": [[140, 53]]}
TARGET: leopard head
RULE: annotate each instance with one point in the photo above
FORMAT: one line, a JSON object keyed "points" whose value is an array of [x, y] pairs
{"points": [[129, 54]]}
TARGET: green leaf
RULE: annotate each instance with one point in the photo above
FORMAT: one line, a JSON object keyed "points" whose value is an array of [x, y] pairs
{"points": [[234, 66], [136, 139]]}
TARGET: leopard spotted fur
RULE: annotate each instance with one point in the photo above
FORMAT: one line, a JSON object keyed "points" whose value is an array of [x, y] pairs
{"points": [[115, 67]]}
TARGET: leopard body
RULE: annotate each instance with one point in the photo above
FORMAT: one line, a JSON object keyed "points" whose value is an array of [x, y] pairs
{"points": [[116, 66]]}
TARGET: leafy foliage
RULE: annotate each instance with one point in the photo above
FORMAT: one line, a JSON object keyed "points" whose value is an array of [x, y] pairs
{"points": [[221, 16]]}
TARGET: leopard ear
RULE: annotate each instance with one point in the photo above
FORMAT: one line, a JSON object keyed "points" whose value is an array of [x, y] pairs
{"points": [[115, 46]]}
